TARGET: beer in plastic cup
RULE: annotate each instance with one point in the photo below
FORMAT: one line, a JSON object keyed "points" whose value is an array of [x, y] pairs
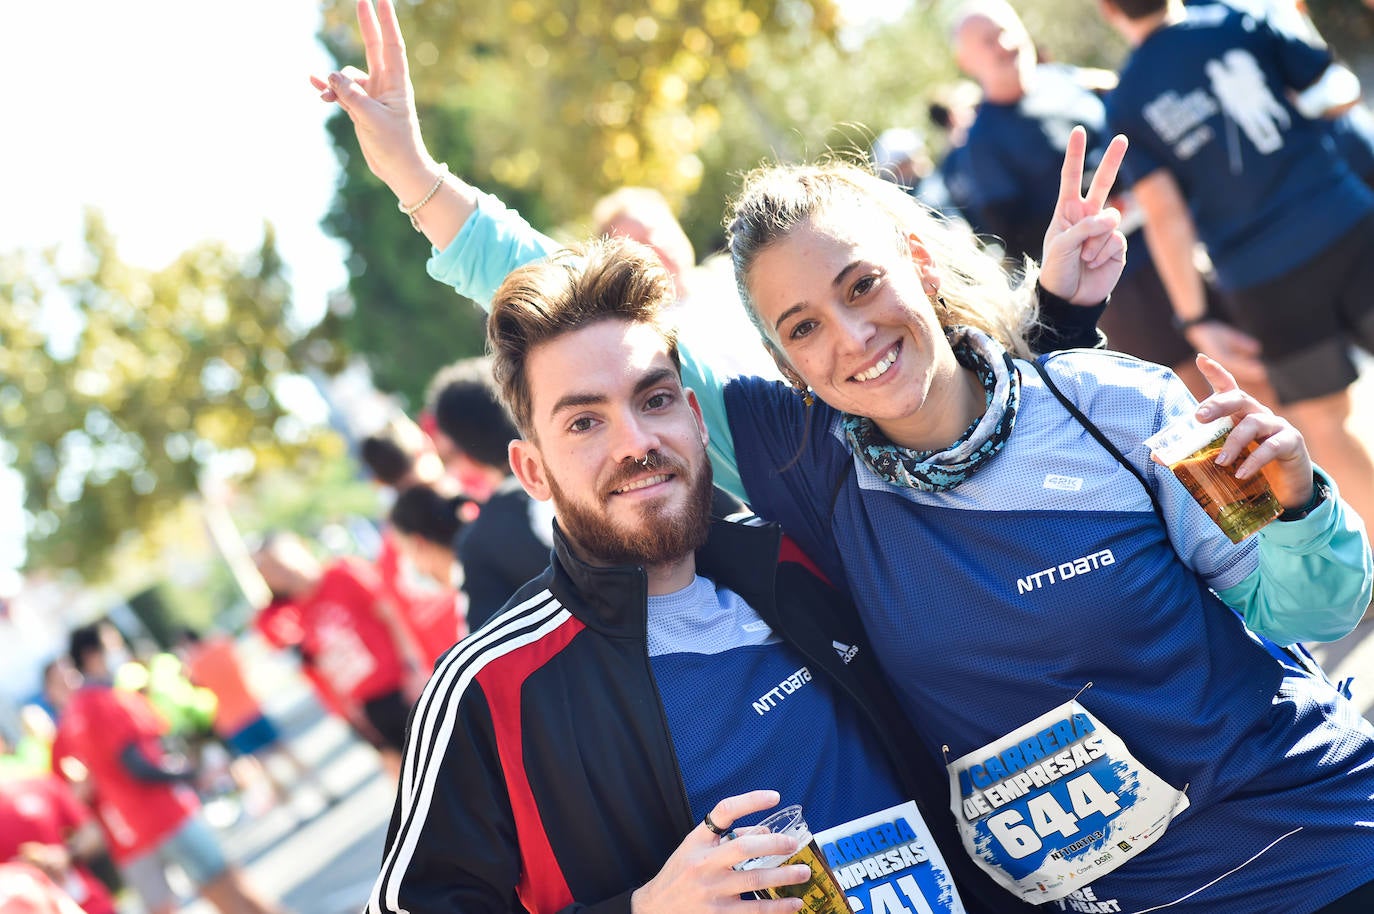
{"points": [[1189, 448], [821, 894]]}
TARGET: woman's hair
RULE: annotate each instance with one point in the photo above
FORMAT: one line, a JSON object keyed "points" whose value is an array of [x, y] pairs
{"points": [[776, 199], [421, 511]]}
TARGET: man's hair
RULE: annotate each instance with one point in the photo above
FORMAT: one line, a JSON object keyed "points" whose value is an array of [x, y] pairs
{"points": [[388, 456], [1139, 9], [466, 407], [602, 280], [82, 642], [421, 511]]}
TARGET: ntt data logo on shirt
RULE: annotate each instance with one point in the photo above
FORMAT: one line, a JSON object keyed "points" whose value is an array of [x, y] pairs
{"points": [[770, 699], [1073, 568]]}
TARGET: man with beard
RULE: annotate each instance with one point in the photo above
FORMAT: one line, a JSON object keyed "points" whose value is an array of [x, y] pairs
{"points": [[592, 746]]}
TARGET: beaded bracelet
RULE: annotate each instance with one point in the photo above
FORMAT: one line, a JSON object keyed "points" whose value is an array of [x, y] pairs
{"points": [[412, 210]]}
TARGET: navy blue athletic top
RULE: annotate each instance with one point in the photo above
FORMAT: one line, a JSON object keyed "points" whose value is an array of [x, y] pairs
{"points": [[1207, 98]]}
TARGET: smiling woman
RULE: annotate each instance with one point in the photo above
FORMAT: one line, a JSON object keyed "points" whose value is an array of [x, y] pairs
{"points": [[939, 473]]}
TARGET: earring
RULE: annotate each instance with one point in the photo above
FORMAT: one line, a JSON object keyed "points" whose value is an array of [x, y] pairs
{"points": [[807, 399]]}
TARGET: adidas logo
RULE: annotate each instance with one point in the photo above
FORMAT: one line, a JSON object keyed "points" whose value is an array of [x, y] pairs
{"points": [[847, 652]]}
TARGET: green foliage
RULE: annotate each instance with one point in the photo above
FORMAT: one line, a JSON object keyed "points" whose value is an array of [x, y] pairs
{"points": [[404, 323], [330, 492], [1073, 31], [166, 371]]}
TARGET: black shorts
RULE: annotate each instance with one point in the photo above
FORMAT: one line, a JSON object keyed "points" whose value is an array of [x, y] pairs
{"points": [[389, 715], [1140, 321], [1308, 319]]}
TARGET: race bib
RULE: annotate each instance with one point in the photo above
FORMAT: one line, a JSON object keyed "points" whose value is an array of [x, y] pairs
{"points": [[887, 863], [1057, 803]]}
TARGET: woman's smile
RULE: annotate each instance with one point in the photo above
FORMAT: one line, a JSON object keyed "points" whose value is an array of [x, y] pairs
{"points": [[879, 368]]}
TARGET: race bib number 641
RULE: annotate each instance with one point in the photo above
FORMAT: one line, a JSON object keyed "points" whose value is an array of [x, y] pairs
{"points": [[1057, 803]]}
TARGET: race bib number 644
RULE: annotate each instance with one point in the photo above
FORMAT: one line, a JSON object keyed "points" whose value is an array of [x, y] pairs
{"points": [[1057, 803]]}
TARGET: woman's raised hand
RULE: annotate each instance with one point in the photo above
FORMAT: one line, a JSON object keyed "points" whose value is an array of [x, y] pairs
{"points": [[1280, 451], [1085, 250], [381, 104]]}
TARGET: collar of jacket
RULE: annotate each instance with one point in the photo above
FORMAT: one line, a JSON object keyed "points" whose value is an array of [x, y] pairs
{"points": [[739, 554]]}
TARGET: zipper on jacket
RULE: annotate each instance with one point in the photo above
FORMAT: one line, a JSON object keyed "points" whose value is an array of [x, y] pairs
{"points": [[687, 817]]}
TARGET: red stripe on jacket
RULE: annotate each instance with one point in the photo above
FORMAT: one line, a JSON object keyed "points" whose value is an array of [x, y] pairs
{"points": [[543, 889], [789, 551]]}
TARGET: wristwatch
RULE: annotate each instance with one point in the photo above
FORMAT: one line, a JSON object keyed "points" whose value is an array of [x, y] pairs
{"points": [[1182, 325], [1320, 493]]}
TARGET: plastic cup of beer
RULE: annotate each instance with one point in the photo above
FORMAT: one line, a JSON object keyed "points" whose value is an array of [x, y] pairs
{"points": [[1189, 448], [820, 894]]}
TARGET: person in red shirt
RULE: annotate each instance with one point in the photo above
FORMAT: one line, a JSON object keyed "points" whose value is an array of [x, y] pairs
{"points": [[401, 457], [349, 634], [26, 889], [279, 623], [44, 824], [430, 609], [141, 795]]}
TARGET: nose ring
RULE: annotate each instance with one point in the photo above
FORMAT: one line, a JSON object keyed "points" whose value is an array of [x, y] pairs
{"points": [[643, 461]]}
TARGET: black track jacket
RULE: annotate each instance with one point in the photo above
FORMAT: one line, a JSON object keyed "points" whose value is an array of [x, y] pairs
{"points": [[539, 769]]}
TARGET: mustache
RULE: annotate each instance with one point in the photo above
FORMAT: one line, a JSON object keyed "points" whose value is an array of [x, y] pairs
{"points": [[630, 469]]}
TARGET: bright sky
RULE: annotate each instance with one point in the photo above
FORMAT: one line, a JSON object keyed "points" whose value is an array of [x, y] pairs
{"points": [[182, 120]]}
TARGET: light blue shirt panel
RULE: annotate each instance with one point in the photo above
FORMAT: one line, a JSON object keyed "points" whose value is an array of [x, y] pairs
{"points": [[493, 241], [496, 240]]}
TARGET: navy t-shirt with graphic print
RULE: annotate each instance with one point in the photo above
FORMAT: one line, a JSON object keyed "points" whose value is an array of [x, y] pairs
{"points": [[1207, 98]]}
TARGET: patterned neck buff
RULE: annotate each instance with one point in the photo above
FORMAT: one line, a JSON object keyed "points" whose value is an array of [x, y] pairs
{"points": [[939, 471]]}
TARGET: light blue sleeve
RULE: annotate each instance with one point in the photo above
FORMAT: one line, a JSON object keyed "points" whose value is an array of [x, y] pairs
{"points": [[1314, 578], [496, 240], [698, 375], [1303, 580]]}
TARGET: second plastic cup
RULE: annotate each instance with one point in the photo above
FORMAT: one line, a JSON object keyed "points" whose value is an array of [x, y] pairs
{"points": [[820, 894]]}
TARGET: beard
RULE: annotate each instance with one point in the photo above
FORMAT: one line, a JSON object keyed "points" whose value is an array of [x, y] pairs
{"points": [[663, 535]]}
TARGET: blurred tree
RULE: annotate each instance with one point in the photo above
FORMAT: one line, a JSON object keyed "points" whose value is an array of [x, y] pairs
{"points": [[549, 104], [1072, 31], [406, 325], [162, 374]]}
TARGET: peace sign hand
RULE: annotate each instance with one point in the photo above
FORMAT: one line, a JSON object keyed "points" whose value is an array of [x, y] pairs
{"points": [[1085, 250], [381, 104]]}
